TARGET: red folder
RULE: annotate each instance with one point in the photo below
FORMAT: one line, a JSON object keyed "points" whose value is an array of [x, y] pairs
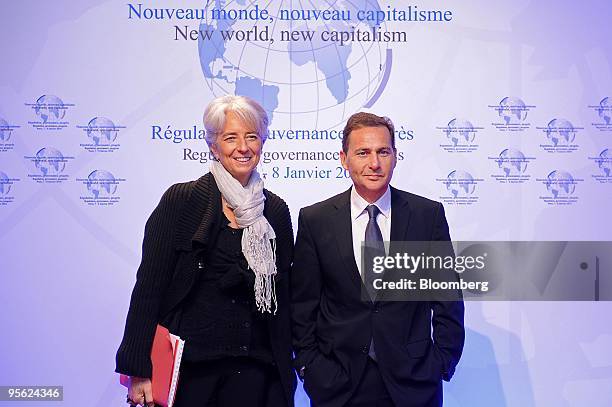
{"points": [[166, 356]]}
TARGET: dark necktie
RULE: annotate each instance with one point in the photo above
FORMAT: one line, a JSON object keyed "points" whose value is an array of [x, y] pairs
{"points": [[373, 246]]}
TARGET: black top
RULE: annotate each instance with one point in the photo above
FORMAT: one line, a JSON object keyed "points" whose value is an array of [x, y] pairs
{"points": [[219, 316], [177, 235]]}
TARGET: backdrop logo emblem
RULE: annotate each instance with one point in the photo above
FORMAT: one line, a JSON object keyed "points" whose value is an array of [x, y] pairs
{"points": [[560, 136], [603, 112], [343, 79], [6, 187], [49, 165], [100, 188], [560, 188], [603, 163], [6, 131], [511, 114], [102, 135], [460, 135], [50, 112], [511, 165], [459, 188]]}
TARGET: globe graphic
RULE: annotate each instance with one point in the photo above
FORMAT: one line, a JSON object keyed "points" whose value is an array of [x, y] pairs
{"points": [[605, 110], [512, 110], [49, 107], [604, 162], [5, 184], [49, 161], [460, 131], [5, 130], [560, 183], [512, 162], [560, 131], [101, 183], [310, 82], [460, 183], [101, 131]]}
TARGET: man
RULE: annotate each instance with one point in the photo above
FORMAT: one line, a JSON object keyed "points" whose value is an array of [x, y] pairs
{"points": [[356, 351]]}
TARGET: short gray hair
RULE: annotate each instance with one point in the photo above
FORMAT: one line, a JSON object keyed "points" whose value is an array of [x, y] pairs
{"points": [[247, 110]]}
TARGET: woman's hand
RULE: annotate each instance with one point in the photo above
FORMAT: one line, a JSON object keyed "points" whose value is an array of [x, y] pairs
{"points": [[140, 391]]}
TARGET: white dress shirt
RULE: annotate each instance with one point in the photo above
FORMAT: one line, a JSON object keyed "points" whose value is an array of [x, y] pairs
{"points": [[360, 218]]}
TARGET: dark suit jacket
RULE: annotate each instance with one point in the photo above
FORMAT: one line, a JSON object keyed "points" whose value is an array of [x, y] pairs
{"points": [[333, 327], [176, 237]]}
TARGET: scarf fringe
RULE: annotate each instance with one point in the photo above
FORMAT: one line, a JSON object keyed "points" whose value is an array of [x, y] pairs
{"points": [[264, 256]]}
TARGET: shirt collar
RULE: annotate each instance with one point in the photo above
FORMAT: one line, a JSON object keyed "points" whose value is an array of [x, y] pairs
{"points": [[358, 204]]}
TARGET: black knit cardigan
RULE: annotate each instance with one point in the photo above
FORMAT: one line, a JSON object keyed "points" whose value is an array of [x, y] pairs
{"points": [[176, 237]]}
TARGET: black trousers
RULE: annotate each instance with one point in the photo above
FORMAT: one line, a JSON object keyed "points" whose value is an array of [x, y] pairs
{"points": [[227, 382], [371, 391]]}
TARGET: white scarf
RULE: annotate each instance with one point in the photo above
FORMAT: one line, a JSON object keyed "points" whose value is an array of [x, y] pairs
{"points": [[248, 205]]}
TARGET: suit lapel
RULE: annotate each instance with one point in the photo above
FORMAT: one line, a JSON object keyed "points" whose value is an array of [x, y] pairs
{"points": [[343, 232], [400, 221], [400, 216]]}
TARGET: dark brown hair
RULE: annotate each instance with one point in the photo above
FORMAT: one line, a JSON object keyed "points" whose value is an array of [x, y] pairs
{"points": [[362, 119]]}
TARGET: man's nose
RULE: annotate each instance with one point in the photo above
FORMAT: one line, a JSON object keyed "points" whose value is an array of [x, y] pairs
{"points": [[374, 161]]}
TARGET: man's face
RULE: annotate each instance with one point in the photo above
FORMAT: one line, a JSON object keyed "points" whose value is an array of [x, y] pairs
{"points": [[370, 160]]}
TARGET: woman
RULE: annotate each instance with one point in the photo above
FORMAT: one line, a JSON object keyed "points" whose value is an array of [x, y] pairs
{"points": [[215, 259]]}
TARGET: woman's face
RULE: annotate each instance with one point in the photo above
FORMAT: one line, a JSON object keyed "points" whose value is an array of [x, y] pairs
{"points": [[238, 148]]}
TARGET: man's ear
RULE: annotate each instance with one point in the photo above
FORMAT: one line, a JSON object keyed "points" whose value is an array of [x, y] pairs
{"points": [[343, 159]]}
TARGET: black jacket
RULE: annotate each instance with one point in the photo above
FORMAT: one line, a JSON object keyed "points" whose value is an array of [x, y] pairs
{"points": [[176, 237], [333, 327]]}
